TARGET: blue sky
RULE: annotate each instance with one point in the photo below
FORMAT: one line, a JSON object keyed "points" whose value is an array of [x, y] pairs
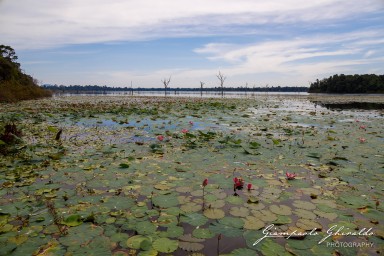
{"points": [[254, 42]]}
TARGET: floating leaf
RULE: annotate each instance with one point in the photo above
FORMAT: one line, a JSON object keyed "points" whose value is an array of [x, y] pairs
{"points": [[214, 213], [255, 223], [243, 252], [191, 207], [174, 231], [281, 220], [194, 219], [328, 215], [225, 230], [145, 228], [165, 201], [280, 209], [124, 165], [202, 233], [239, 211], [270, 247], [305, 214], [304, 205], [235, 200], [165, 245], [73, 220], [190, 247], [306, 224], [134, 242], [189, 238]]}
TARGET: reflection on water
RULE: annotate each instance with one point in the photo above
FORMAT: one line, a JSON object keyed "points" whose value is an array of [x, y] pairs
{"points": [[351, 105], [214, 94]]}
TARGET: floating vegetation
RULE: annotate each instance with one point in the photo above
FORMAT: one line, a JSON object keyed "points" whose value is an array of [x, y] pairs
{"points": [[162, 176]]}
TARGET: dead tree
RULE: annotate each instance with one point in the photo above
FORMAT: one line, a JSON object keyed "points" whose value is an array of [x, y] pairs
{"points": [[201, 86], [166, 83], [222, 78]]}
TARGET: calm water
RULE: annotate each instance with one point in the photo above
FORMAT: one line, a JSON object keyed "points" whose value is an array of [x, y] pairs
{"points": [[234, 94]]}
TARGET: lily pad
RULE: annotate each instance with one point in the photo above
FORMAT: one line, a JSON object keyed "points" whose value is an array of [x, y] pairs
{"points": [[165, 201], [239, 211], [190, 247], [214, 213], [304, 205], [254, 223], [73, 220], [202, 233], [165, 245], [280, 209], [194, 219]]}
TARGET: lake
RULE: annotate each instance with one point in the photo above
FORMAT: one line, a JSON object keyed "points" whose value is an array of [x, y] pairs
{"points": [[125, 175]]}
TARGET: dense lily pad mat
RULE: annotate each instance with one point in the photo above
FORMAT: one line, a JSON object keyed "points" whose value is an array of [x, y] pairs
{"points": [[126, 176]]}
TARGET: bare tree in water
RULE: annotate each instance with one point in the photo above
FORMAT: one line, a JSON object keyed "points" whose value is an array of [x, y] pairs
{"points": [[166, 83], [222, 78], [201, 88]]}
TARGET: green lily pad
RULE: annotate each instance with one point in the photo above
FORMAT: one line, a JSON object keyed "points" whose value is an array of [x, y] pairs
{"points": [[145, 228], [165, 201], [194, 219], [214, 213], [243, 252], [173, 232], [280, 209], [189, 238], [306, 224], [225, 229], [134, 242], [305, 214], [254, 223], [270, 247], [202, 233], [165, 245], [191, 207], [328, 215], [304, 205], [73, 220], [239, 211], [190, 247], [282, 220], [235, 200]]}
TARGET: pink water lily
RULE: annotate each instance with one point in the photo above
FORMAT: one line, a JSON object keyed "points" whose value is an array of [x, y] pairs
{"points": [[362, 140], [190, 122], [363, 127], [290, 176], [249, 186], [238, 183], [184, 130], [160, 137]]}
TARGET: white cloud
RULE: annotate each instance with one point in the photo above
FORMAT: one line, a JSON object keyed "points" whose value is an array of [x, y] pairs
{"points": [[46, 23]]}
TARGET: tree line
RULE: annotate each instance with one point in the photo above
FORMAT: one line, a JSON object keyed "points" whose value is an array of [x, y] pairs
{"points": [[367, 83], [97, 88]]}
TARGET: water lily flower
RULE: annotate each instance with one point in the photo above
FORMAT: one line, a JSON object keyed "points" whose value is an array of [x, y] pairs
{"points": [[184, 130], [238, 183], [363, 127], [205, 182], [190, 122], [362, 140], [290, 176], [160, 137], [249, 186]]}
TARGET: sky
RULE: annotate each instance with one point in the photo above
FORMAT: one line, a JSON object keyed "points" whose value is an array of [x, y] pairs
{"points": [[141, 42]]}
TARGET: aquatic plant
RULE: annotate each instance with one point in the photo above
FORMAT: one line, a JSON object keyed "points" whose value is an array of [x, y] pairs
{"points": [[290, 176], [205, 183]]}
